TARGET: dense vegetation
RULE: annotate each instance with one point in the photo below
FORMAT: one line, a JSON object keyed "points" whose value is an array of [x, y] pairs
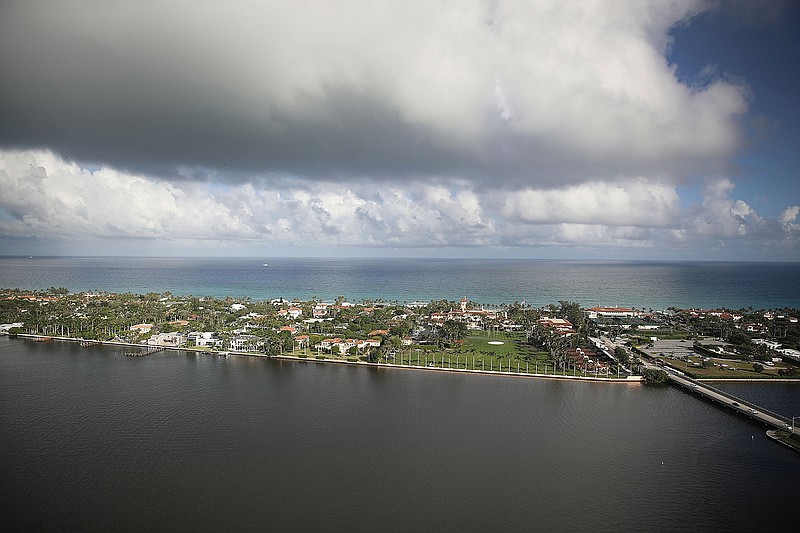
{"points": [[510, 336]]}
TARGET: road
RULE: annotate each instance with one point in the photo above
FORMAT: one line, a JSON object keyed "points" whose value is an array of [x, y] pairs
{"points": [[746, 408], [698, 387]]}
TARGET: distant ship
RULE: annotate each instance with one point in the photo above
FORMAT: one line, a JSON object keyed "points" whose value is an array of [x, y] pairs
{"points": [[265, 265]]}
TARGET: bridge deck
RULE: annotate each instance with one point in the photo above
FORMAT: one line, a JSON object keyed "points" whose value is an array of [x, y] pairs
{"points": [[729, 400]]}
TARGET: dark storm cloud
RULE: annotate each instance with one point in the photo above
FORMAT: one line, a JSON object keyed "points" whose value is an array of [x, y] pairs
{"points": [[493, 92]]}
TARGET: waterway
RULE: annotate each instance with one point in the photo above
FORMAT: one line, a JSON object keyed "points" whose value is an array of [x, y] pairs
{"points": [[92, 440]]}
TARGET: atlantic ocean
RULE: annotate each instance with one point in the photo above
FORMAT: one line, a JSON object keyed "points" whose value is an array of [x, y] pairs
{"points": [[643, 284]]}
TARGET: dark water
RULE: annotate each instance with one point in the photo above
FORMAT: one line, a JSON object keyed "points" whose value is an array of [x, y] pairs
{"points": [[656, 285], [92, 440]]}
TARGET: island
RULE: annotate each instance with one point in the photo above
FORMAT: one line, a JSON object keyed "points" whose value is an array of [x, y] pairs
{"points": [[560, 339], [687, 347]]}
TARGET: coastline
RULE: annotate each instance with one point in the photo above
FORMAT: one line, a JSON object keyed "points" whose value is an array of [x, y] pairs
{"points": [[313, 359]]}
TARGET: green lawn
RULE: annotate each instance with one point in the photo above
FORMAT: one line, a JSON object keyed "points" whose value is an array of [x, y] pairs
{"points": [[743, 369], [475, 353]]}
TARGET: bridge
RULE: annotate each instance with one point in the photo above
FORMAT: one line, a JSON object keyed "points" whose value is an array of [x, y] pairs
{"points": [[728, 400], [724, 399]]}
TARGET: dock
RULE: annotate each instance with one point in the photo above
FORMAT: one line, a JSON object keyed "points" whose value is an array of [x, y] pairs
{"points": [[86, 343], [142, 353]]}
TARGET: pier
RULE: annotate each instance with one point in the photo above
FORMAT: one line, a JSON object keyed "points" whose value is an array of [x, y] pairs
{"points": [[86, 343], [143, 353]]}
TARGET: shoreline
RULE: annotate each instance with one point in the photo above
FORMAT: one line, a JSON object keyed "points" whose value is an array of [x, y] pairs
{"points": [[313, 359], [748, 380]]}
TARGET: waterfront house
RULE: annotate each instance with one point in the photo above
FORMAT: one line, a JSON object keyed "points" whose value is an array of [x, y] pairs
{"points": [[204, 338], [141, 328], [301, 340], [167, 340], [246, 343], [328, 344]]}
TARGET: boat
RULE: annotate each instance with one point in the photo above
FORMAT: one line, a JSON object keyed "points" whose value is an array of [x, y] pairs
{"points": [[265, 265]]}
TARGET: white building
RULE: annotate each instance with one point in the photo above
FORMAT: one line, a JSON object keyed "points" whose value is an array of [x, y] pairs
{"points": [[612, 312], [246, 343], [204, 338], [142, 328], [170, 340]]}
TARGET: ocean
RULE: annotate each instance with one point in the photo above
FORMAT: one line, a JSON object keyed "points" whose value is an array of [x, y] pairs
{"points": [[641, 284]]}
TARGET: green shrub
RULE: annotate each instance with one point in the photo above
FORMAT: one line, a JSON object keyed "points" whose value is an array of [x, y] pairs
{"points": [[654, 375]]}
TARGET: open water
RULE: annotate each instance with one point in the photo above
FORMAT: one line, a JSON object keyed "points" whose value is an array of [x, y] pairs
{"points": [[656, 285], [91, 440]]}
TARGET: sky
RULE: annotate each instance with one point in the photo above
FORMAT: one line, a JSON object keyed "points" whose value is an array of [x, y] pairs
{"points": [[552, 129]]}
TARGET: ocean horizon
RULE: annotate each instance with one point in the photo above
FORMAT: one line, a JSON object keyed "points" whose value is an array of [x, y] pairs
{"points": [[535, 282]]}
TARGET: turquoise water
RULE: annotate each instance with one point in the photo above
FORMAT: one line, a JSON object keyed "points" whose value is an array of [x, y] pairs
{"points": [[656, 285]]}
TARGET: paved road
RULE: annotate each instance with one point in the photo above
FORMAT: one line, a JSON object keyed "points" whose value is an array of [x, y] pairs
{"points": [[746, 408], [698, 387]]}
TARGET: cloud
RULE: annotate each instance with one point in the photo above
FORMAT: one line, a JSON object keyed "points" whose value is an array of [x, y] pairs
{"points": [[50, 199], [496, 92], [637, 202], [789, 215], [491, 124]]}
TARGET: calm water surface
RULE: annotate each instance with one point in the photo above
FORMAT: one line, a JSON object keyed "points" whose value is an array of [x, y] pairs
{"points": [[92, 440], [656, 285]]}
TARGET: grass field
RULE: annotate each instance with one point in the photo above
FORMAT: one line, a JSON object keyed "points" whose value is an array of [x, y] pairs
{"points": [[735, 369], [480, 350]]}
